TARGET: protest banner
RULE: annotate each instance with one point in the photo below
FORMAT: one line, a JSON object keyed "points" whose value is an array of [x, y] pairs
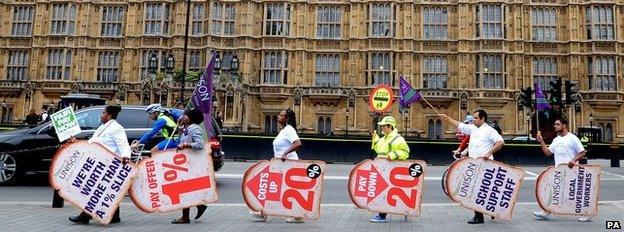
{"points": [[291, 188], [174, 179], [386, 186], [569, 191], [485, 186], [91, 177], [65, 123]]}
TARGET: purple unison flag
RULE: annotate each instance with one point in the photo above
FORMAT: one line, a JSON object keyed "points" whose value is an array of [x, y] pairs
{"points": [[202, 96], [540, 101], [407, 94]]}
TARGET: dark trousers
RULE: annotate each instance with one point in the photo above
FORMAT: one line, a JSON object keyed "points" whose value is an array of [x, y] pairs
{"points": [[383, 215], [478, 215], [87, 216]]}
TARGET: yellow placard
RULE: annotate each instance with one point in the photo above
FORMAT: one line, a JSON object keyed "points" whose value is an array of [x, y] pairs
{"points": [[380, 99]]}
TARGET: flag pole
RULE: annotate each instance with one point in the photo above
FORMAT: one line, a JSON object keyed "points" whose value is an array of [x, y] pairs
{"points": [[430, 105], [537, 128]]}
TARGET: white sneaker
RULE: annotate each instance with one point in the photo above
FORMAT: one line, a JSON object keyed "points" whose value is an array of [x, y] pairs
{"points": [[541, 215], [294, 220], [258, 216], [584, 219]]}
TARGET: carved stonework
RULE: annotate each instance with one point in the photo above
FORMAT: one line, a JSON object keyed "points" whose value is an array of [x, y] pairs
{"points": [[604, 100], [121, 92], [75, 88]]}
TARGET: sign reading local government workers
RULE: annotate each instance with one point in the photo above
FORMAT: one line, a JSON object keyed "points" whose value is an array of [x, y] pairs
{"points": [[65, 123]]}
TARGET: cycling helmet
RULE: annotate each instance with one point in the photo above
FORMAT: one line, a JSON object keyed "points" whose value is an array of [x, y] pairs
{"points": [[153, 108]]}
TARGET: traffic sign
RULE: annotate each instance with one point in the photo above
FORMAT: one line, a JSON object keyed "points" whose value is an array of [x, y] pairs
{"points": [[380, 99]]}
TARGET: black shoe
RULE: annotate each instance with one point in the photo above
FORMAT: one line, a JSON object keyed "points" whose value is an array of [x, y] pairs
{"points": [[200, 211], [115, 220], [476, 220], [493, 218], [79, 220]]}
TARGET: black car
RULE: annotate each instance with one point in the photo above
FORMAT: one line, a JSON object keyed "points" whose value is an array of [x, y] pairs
{"points": [[30, 150]]}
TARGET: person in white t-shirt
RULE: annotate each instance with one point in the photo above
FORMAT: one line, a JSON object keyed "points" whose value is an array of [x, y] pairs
{"points": [[287, 141], [285, 146], [567, 149], [484, 142], [111, 135]]}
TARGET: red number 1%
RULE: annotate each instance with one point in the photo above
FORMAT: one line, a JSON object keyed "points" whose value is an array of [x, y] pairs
{"points": [[172, 173]]}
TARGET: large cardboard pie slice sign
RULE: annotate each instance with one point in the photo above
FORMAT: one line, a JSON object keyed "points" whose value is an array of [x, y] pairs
{"points": [[386, 186], [486, 186], [291, 188], [91, 177], [569, 191], [174, 179]]}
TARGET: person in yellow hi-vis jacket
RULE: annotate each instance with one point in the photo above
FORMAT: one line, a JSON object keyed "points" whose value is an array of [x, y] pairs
{"points": [[391, 146]]}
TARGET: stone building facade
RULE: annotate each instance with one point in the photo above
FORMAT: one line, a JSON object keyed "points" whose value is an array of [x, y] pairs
{"points": [[321, 58]]}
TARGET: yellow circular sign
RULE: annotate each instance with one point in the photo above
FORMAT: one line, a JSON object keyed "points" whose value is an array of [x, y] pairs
{"points": [[381, 98]]}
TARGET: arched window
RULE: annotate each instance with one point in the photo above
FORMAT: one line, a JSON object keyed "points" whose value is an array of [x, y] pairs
{"points": [[270, 124], [434, 129], [431, 129], [438, 129], [608, 133], [324, 125], [267, 124]]}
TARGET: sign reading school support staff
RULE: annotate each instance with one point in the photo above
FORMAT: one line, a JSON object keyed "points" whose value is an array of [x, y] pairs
{"points": [[65, 123], [91, 177], [569, 191], [172, 180], [386, 186], [291, 188], [380, 99], [486, 186]]}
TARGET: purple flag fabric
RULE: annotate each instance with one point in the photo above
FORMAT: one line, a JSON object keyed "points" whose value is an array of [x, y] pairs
{"points": [[202, 96], [540, 100], [407, 94]]}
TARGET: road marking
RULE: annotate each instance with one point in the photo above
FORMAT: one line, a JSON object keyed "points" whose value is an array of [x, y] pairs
{"points": [[427, 178], [531, 173], [616, 175]]}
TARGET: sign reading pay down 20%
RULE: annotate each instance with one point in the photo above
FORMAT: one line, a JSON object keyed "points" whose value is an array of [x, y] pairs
{"points": [[386, 186]]}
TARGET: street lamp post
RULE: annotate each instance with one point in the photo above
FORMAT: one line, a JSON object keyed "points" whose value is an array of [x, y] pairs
{"points": [[591, 126], [186, 37], [153, 65], [170, 64]]}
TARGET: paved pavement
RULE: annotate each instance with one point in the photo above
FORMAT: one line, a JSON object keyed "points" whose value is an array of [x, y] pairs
{"points": [[27, 208], [38, 216]]}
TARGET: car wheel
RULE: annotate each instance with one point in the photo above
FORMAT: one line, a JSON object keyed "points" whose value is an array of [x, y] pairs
{"points": [[9, 171]]}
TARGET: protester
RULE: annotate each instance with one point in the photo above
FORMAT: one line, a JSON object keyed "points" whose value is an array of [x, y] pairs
{"points": [[285, 146], [391, 146], [32, 119], [191, 137], [112, 136], [219, 119], [484, 142], [44, 114], [165, 124], [464, 138], [567, 149]]}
